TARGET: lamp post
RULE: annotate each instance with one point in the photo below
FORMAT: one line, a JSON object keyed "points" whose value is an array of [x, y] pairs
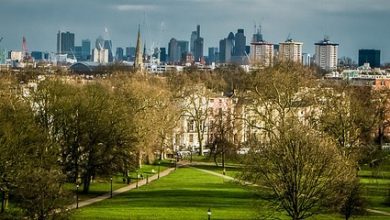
{"points": [[137, 180], [209, 214], [77, 196], [158, 169], [111, 187]]}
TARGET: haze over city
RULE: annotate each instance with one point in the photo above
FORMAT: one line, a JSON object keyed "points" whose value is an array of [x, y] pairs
{"points": [[353, 24]]}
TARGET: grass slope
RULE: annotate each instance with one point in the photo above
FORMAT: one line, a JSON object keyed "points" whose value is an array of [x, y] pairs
{"points": [[185, 194]]}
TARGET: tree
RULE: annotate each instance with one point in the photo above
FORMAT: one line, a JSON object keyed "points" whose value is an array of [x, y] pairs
{"points": [[26, 158], [89, 124], [301, 167], [300, 164]]}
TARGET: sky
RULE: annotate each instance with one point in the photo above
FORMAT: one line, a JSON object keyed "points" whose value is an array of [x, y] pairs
{"points": [[354, 24]]}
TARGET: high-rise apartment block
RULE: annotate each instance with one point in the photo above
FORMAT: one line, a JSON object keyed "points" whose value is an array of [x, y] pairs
{"points": [[373, 57], [326, 54], [65, 42], [261, 52], [290, 51]]}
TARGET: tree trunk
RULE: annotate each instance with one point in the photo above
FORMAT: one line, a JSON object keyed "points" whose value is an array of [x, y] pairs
{"points": [[86, 182], [2, 201], [223, 160]]}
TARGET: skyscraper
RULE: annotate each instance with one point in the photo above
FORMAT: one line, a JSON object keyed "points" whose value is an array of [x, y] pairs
{"points": [[85, 49], [212, 56], [65, 42], [108, 46], [290, 51], [119, 54], [326, 54], [197, 44], [239, 43], [163, 54], [226, 47], [173, 51], [373, 57]]}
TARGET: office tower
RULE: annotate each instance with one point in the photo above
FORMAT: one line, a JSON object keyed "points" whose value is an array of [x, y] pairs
{"points": [[326, 54], [119, 54], [108, 46], [226, 47], [197, 44], [212, 56], [100, 55], [257, 37], [65, 42], [371, 56], [163, 54], [183, 48], [290, 51], [173, 51], [99, 43], [194, 36], [239, 43], [77, 52], [85, 49], [130, 53]]}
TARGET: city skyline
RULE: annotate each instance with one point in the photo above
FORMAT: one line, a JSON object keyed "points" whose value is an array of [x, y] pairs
{"points": [[356, 25]]}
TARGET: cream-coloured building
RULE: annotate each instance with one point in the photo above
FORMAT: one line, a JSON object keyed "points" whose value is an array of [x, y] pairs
{"points": [[326, 54], [262, 53], [100, 55], [290, 51]]}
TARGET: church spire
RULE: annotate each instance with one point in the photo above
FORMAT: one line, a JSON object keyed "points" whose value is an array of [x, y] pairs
{"points": [[138, 63]]}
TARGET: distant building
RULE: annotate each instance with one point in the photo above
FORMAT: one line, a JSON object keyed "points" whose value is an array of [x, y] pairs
{"points": [[226, 47], [130, 53], [173, 51], [239, 43], [290, 51], [163, 54], [119, 54], [212, 56], [306, 59], [108, 46], [197, 45], [373, 57], [65, 42], [85, 49], [77, 52], [326, 54], [16, 56], [39, 55], [100, 56], [261, 52], [183, 47], [138, 61]]}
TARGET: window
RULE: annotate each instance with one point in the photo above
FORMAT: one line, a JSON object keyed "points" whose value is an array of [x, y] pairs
{"points": [[190, 126], [191, 138]]}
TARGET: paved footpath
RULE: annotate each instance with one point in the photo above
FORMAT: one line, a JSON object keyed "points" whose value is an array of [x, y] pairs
{"points": [[121, 190], [247, 183]]}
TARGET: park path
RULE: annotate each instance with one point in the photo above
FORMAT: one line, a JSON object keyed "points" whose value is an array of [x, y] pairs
{"points": [[122, 190], [247, 183]]}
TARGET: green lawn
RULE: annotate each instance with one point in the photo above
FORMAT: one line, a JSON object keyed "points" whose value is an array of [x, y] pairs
{"points": [[101, 186], [186, 193]]}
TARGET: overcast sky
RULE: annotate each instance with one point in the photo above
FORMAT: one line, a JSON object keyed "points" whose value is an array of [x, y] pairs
{"points": [[354, 24]]}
